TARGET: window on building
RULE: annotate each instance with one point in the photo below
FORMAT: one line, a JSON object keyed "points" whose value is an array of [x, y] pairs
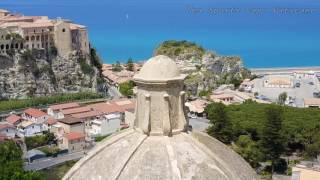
{"points": [[27, 38], [32, 38], [38, 45], [2, 46], [32, 45], [63, 30], [34, 31], [17, 46], [7, 46], [7, 130], [38, 38]]}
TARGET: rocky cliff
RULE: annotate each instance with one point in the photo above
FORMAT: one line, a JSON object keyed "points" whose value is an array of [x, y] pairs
{"points": [[207, 70], [35, 72]]}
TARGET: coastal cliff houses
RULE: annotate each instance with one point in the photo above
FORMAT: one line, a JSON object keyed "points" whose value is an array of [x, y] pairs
{"points": [[74, 126], [119, 77], [279, 82], [39, 32], [228, 96]]}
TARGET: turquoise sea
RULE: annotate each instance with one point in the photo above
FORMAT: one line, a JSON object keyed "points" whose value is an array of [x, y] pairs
{"points": [[265, 33]]}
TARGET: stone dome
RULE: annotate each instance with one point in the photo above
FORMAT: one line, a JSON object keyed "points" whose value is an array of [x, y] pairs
{"points": [[159, 146], [159, 68], [131, 155]]}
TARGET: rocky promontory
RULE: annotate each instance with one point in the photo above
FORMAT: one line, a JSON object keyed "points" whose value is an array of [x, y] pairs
{"points": [[206, 69], [27, 73]]}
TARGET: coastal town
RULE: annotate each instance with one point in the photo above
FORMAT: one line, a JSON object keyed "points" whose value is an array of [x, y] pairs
{"points": [[51, 134]]}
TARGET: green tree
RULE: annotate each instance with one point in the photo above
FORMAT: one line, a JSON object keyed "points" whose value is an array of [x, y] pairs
{"points": [[117, 67], [126, 88], [271, 139], [95, 59], [220, 125], [282, 98], [130, 65], [11, 164], [249, 150]]}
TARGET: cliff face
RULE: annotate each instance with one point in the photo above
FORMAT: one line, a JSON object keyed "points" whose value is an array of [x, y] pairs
{"points": [[38, 73], [206, 69]]}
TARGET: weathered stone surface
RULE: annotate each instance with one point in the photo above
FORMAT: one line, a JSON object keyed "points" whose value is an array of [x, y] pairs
{"points": [[132, 155]]}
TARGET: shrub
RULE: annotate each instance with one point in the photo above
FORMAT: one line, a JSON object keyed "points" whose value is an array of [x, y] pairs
{"points": [[86, 68], [13, 104], [126, 88]]}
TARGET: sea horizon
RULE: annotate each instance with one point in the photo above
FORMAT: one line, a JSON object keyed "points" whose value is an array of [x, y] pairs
{"points": [[259, 32]]}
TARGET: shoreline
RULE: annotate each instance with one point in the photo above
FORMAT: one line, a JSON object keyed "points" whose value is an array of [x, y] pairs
{"points": [[284, 70]]}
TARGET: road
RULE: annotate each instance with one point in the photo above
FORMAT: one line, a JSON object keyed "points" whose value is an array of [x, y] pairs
{"points": [[50, 161], [199, 124]]}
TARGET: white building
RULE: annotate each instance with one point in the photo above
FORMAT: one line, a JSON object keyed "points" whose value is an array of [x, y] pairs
{"points": [[311, 102], [107, 125], [29, 128], [8, 130], [278, 82], [35, 115]]}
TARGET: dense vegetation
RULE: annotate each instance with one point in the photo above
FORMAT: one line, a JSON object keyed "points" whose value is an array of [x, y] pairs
{"points": [[8, 105], [57, 172], [39, 140], [173, 48], [11, 163], [126, 88], [264, 132]]}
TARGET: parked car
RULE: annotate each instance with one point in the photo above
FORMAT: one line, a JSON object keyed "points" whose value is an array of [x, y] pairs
{"points": [[297, 85], [311, 83], [316, 94]]}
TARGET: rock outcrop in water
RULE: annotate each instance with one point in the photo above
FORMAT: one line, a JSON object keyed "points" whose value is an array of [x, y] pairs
{"points": [[28, 73], [206, 69]]}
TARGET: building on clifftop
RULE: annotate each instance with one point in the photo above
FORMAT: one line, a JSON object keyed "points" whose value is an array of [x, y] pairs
{"points": [[40, 32], [159, 146]]}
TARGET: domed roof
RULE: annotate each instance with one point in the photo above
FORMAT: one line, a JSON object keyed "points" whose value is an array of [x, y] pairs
{"points": [[159, 68], [133, 155]]}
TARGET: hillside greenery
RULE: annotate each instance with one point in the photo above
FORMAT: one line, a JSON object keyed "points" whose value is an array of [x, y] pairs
{"points": [[8, 105], [173, 48], [249, 127], [39, 140]]}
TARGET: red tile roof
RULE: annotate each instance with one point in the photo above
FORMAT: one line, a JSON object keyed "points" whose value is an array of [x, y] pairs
{"points": [[125, 104], [6, 125], [51, 121], [87, 114], [106, 107], [12, 119], [74, 135], [3, 137], [35, 112], [71, 120], [64, 106], [76, 110]]}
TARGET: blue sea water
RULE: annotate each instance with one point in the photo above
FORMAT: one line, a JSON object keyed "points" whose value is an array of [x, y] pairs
{"points": [[255, 30]]}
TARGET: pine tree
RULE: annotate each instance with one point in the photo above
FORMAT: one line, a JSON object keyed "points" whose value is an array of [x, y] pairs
{"points": [[271, 139], [130, 66], [221, 127]]}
